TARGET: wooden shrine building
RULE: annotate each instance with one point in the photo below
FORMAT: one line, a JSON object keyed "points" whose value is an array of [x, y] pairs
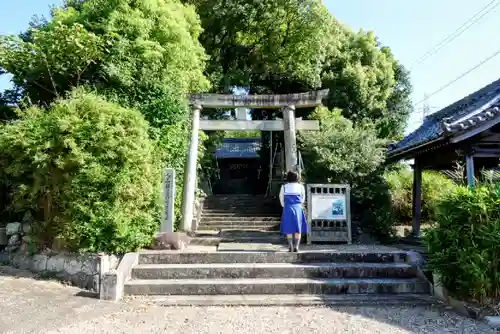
{"points": [[238, 167], [466, 131]]}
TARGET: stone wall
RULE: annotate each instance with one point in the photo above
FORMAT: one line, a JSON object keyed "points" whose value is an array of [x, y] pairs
{"points": [[84, 271]]}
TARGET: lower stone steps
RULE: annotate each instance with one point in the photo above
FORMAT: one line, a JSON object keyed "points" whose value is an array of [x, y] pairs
{"points": [[265, 286], [273, 270], [348, 274], [344, 255], [291, 300]]}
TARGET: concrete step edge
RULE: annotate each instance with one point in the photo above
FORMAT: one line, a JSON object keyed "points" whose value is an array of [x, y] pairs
{"points": [[288, 300], [363, 265], [273, 281]]}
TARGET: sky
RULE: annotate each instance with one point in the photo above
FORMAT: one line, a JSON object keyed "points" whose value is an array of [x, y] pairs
{"points": [[410, 28]]}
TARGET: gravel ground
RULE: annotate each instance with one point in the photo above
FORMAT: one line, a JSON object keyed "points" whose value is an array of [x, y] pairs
{"points": [[32, 306], [279, 320]]}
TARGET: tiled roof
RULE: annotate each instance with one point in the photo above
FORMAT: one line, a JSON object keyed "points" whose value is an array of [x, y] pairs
{"points": [[462, 115], [247, 148]]}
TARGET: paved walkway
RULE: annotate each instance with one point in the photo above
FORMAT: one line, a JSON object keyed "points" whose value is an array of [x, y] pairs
{"points": [[28, 305]]}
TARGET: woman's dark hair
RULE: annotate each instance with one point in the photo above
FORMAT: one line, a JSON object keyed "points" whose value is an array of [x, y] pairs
{"points": [[292, 177]]}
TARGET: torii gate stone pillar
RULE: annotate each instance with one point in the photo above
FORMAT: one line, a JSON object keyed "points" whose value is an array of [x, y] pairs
{"points": [[290, 138], [190, 171], [289, 125]]}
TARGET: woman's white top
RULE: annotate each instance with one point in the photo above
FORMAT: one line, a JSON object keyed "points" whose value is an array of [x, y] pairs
{"points": [[292, 189]]}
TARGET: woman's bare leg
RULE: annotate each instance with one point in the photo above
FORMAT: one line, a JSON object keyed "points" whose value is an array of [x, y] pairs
{"points": [[297, 241], [290, 242]]}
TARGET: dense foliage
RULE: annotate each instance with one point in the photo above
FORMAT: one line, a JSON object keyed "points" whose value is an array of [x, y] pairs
{"points": [[147, 55], [434, 186], [293, 46], [144, 53], [464, 244], [340, 152], [87, 170], [140, 54]]}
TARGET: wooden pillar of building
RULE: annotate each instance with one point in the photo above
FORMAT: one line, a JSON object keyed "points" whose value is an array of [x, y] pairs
{"points": [[417, 198], [469, 165], [190, 171]]}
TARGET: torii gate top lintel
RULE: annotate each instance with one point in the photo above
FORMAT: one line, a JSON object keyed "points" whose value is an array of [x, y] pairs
{"points": [[268, 101]]}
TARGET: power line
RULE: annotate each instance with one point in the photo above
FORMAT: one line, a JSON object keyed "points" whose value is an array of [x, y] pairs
{"points": [[460, 77], [459, 31]]}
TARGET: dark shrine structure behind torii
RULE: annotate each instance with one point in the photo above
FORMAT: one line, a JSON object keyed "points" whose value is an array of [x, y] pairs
{"points": [[466, 131], [289, 125]]}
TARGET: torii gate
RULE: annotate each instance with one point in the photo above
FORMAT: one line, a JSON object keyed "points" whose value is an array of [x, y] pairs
{"points": [[289, 125]]}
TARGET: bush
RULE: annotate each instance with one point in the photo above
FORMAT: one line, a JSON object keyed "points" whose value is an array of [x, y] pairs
{"points": [[87, 169], [371, 202], [434, 186], [464, 245], [340, 152], [344, 153]]}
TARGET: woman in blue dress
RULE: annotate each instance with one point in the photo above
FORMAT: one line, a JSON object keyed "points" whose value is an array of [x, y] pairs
{"points": [[293, 219]]}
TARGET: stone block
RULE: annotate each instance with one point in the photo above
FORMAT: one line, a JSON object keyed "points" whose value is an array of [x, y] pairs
{"points": [[3, 237], [26, 228], [72, 266], [55, 263], [13, 228], [112, 282], [39, 263], [111, 286], [14, 239], [170, 240]]}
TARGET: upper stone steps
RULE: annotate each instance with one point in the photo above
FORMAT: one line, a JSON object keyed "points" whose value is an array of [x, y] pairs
{"points": [[241, 219], [229, 213], [223, 212]]}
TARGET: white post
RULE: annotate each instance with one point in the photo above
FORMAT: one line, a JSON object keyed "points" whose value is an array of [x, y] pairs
{"points": [[190, 172], [290, 138], [167, 224]]}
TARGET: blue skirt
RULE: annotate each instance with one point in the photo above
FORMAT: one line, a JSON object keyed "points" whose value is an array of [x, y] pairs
{"points": [[293, 220]]}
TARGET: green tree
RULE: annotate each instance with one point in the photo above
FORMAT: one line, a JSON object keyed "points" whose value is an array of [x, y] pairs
{"points": [[289, 46], [340, 152], [143, 54], [264, 44], [367, 83], [344, 153]]}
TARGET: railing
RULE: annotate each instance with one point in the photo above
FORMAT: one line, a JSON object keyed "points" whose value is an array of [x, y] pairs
{"points": [[300, 166]]}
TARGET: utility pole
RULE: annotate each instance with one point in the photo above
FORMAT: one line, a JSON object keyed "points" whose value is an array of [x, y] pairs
{"points": [[426, 109]]}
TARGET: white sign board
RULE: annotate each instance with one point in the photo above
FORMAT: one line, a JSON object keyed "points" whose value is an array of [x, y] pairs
{"points": [[167, 224], [328, 207]]}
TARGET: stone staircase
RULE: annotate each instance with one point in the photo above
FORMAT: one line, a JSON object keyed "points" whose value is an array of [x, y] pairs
{"points": [[239, 258], [236, 212], [342, 275]]}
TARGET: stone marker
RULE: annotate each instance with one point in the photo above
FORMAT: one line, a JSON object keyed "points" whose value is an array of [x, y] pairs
{"points": [[170, 240], [167, 224]]}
